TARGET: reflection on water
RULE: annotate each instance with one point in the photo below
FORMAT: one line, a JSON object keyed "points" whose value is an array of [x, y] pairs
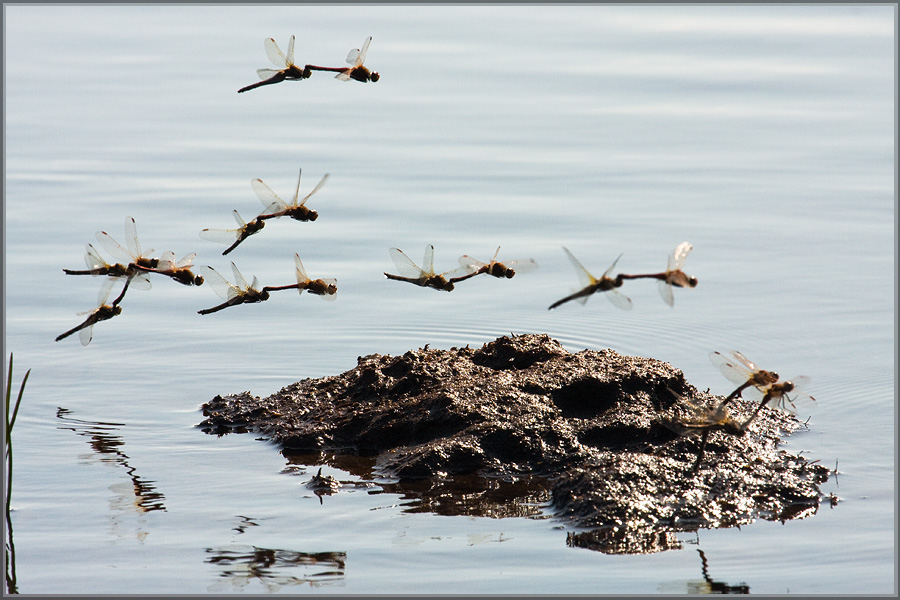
{"points": [[709, 586], [139, 496], [241, 565], [625, 540]]}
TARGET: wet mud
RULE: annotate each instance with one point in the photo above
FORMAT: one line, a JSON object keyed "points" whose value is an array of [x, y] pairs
{"points": [[523, 427]]}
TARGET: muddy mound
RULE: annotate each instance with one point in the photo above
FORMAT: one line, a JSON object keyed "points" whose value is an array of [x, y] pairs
{"points": [[590, 426]]}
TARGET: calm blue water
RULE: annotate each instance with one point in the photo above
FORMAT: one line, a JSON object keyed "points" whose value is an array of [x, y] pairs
{"points": [[764, 135]]}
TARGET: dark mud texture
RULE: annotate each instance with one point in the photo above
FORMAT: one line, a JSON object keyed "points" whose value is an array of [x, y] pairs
{"points": [[588, 426]]}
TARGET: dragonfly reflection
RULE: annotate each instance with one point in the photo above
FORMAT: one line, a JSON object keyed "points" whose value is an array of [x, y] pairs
{"points": [[356, 71], [494, 268], [97, 265], [592, 285], [326, 288], [233, 294], [103, 312], [703, 420], [233, 236], [673, 276], [287, 70], [276, 207], [425, 276]]}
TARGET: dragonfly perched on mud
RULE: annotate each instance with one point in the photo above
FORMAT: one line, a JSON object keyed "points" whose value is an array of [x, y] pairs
{"points": [[103, 312], [233, 236], [276, 207], [494, 268], [702, 420], [180, 271], [591, 285], [326, 288], [356, 71], [765, 387], [239, 292], [97, 265], [287, 70], [673, 276], [424, 276]]}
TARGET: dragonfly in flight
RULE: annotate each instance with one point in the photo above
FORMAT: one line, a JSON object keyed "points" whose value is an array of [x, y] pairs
{"points": [[133, 255], [103, 312], [424, 276], [326, 288], [233, 236], [591, 285], [239, 292], [180, 271], [673, 276], [276, 207], [494, 268], [356, 71], [287, 70], [97, 265]]}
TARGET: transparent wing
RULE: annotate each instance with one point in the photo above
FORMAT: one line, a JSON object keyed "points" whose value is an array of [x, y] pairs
{"points": [[166, 261], [268, 197], [266, 73], [665, 290], [796, 401], [428, 260], [302, 277], [141, 281], [584, 277], [290, 53], [92, 258], [353, 57], [619, 299], [221, 286], [274, 53], [522, 265], [187, 261], [470, 264], [734, 370], [314, 190], [405, 266], [612, 266], [238, 219], [343, 76], [221, 236], [131, 237], [361, 58], [239, 280], [676, 261], [86, 334], [117, 250], [105, 289]]}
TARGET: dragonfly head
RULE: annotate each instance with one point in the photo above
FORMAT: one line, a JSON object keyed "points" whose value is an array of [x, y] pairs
{"points": [[374, 76]]}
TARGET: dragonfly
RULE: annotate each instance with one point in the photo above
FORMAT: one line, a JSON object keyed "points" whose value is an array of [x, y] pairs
{"points": [[287, 70], [703, 420], [133, 255], [673, 276], [240, 292], [356, 71], [741, 370], [592, 285], [276, 207], [494, 268], [103, 312], [233, 236], [785, 395], [326, 288], [180, 271], [424, 276], [97, 265]]}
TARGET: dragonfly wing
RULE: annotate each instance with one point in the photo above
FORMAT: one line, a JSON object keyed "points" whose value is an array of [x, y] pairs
{"points": [[290, 53], [140, 282], [470, 264], [268, 197], [105, 289], [239, 280], [187, 261], [731, 368], [585, 278], [302, 277], [522, 265], [166, 261], [276, 56], [665, 290], [85, 334], [113, 247], [266, 73], [131, 238], [352, 57], [405, 265], [314, 190], [92, 258], [428, 260], [611, 267], [343, 76], [362, 52], [221, 236], [676, 261], [619, 299], [221, 286]]}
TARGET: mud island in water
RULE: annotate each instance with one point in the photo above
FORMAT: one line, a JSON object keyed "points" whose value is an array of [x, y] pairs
{"points": [[521, 423]]}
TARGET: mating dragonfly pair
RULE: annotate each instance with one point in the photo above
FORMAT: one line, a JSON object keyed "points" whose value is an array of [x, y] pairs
{"points": [[469, 267], [134, 270], [673, 276], [240, 292], [288, 71], [761, 385], [275, 208]]}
